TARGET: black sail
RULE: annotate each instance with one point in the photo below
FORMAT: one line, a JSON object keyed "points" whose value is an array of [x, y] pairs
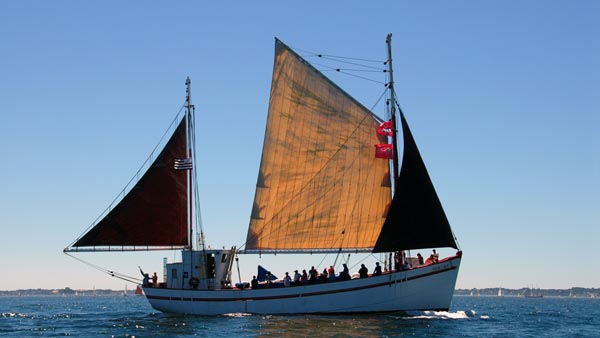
{"points": [[416, 219]]}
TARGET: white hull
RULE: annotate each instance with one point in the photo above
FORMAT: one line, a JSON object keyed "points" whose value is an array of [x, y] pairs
{"points": [[425, 288]]}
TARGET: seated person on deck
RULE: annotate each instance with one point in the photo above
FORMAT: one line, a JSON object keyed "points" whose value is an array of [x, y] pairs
{"points": [[363, 271], [430, 260], [377, 271]]}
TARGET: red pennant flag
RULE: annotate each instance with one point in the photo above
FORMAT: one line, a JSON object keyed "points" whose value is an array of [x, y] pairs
{"points": [[384, 151], [385, 128]]}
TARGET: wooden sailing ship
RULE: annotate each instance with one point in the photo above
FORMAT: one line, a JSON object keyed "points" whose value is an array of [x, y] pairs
{"points": [[320, 189]]}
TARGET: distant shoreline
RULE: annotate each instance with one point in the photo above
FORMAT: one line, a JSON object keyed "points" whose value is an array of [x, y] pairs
{"points": [[574, 292], [65, 292]]}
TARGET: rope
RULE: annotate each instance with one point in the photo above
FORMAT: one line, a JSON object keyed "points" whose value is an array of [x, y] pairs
{"points": [[354, 64], [350, 74], [378, 100], [106, 271], [198, 215], [336, 56], [362, 260], [341, 59], [322, 260]]}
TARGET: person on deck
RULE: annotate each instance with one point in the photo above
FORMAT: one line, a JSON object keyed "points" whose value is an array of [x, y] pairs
{"points": [[146, 280], [345, 274], [287, 280], [254, 282], [312, 275], [363, 271], [154, 280], [377, 271], [435, 256], [304, 277], [268, 279], [420, 258], [296, 277], [323, 276], [429, 260], [331, 273], [397, 260]]}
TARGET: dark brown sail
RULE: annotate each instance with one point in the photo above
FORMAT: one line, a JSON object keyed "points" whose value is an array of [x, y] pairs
{"points": [[155, 212], [416, 219]]}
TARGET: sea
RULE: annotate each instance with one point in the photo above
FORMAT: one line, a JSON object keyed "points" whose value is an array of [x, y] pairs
{"points": [[132, 316]]}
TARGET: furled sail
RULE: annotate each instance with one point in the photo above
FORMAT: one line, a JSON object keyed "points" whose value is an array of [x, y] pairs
{"points": [[155, 211], [319, 186], [416, 219]]}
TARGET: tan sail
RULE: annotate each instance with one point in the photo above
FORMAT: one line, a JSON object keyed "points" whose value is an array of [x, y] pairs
{"points": [[319, 186]]}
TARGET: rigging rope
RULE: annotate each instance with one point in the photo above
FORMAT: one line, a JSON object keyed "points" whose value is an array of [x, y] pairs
{"points": [[199, 226], [354, 64], [379, 99], [362, 260], [336, 56], [339, 70], [106, 271], [342, 59]]}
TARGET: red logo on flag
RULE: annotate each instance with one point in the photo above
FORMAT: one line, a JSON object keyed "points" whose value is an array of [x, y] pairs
{"points": [[384, 151], [385, 128]]}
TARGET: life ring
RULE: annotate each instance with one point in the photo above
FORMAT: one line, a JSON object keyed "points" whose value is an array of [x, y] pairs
{"points": [[194, 282]]}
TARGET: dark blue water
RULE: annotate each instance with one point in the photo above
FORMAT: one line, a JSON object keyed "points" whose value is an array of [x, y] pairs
{"points": [[113, 316]]}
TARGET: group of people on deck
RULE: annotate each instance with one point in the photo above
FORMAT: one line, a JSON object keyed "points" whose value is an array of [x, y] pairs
{"points": [[313, 276], [146, 280], [328, 274]]}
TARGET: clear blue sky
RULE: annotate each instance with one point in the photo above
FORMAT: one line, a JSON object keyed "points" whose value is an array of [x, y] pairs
{"points": [[503, 99]]}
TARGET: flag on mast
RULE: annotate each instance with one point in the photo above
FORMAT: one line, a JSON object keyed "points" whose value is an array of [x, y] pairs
{"points": [[183, 163], [385, 128], [384, 151]]}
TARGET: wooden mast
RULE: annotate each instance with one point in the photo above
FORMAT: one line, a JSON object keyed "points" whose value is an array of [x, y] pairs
{"points": [[189, 151], [392, 102]]}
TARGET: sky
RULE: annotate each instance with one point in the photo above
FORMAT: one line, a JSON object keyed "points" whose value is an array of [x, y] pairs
{"points": [[503, 99]]}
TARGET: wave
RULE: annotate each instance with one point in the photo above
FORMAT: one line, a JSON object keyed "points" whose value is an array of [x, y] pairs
{"points": [[441, 315], [12, 315], [237, 315]]}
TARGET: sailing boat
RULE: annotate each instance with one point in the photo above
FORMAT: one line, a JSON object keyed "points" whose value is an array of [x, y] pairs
{"points": [[320, 189]]}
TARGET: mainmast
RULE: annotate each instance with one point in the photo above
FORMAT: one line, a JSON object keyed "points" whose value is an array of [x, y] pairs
{"points": [[392, 103]]}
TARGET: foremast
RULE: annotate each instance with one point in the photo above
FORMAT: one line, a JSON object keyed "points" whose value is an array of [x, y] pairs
{"points": [[200, 268], [190, 157], [194, 212]]}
